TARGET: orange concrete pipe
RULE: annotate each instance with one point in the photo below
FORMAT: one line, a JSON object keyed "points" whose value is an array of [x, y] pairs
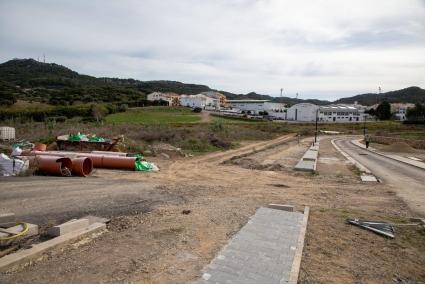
{"points": [[119, 163], [99, 161], [40, 147], [82, 166], [54, 165]]}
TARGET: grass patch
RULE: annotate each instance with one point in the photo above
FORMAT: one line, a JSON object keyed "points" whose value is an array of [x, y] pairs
{"points": [[154, 115]]}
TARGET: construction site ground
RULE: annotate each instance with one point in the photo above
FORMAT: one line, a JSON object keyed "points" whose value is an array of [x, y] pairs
{"points": [[167, 226]]}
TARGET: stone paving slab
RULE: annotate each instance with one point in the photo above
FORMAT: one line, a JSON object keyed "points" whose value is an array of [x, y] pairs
{"points": [[261, 252], [310, 155]]}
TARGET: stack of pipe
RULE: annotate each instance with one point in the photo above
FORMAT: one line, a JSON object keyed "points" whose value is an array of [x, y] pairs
{"points": [[100, 159], [61, 166]]}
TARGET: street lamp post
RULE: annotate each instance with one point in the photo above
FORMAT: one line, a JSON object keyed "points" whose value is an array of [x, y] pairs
{"points": [[364, 125], [315, 133]]}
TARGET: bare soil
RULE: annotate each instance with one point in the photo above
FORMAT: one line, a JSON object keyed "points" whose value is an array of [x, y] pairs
{"points": [[150, 240]]}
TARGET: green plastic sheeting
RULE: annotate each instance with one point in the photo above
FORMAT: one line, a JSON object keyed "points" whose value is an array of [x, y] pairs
{"points": [[83, 137], [96, 139], [142, 166], [23, 144], [76, 137]]}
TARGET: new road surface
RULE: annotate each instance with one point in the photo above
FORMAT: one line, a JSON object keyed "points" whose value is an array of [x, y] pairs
{"points": [[408, 181]]}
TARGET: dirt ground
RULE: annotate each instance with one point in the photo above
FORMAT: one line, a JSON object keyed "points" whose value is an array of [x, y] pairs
{"points": [[150, 240]]}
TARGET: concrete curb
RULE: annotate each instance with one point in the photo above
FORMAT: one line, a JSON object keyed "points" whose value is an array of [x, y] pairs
{"points": [[296, 264], [35, 252], [358, 144], [361, 167], [308, 162]]}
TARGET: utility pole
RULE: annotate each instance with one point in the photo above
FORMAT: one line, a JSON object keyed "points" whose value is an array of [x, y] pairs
{"points": [[44, 58], [379, 93], [317, 119], [364, 124]]}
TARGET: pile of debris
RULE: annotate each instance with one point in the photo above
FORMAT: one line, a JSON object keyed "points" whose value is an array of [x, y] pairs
{"points": [[20, 241], [27, 156]]}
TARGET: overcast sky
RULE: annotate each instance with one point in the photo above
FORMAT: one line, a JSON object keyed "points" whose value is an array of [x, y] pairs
{"points": [[321, 49]]}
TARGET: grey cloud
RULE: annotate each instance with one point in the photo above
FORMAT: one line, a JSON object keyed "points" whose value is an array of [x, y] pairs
{"points": [[237, 45]]}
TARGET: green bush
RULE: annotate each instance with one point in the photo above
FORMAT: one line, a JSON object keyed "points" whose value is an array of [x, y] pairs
{"points": [[40, 115]]}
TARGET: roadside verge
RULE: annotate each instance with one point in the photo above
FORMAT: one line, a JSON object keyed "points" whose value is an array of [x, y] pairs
{"points": [[404, 160]]}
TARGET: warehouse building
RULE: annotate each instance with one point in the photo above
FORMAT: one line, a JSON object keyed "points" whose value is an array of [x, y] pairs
{"points": [[256, 107], [307, 112], [302, 112]]}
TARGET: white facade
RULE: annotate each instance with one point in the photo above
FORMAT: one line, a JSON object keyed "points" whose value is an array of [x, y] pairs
{"points": [[341, 113], [216, 95], [302, 112], [248, 106], [275, 110], [157, 96], [331, 113], [199, 100], [400, 110]]}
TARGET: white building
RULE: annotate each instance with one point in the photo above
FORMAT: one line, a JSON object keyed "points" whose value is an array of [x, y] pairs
{"points": [[248, 106], [216, 95], [400, 110], [199, 100], [341, 113], [307, 112], [256, 107], [275, 110], [171, 98], [302, 112]]}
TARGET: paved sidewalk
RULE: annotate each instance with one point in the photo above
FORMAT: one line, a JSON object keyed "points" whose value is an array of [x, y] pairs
{"points": [[261, 252], [414, 163]]}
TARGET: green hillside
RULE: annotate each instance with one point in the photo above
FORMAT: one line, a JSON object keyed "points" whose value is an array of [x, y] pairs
{"points": [[407, 95], [56, 84]]}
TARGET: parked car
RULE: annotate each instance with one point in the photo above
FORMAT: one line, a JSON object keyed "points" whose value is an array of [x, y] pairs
{"points": [[197, 109]]}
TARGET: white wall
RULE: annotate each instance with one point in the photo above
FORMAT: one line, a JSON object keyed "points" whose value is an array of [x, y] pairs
{"points": [[341, 113], [302, 112], [156, 96], [199, 101], [253, 107]]}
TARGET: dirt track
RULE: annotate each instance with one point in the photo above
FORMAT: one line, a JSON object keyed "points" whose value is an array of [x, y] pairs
{"points": [[149, 239]]}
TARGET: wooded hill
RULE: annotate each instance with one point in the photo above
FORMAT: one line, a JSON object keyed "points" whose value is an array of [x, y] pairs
{"points": [[28, 79], [407, 95]]}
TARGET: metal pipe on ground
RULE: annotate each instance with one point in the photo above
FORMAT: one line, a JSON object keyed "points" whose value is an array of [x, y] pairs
{"points": [[82, 166], [54, 165]]}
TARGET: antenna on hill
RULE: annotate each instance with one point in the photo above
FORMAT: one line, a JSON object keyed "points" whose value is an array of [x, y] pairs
{"points": [[44, 58], [296, 95]]}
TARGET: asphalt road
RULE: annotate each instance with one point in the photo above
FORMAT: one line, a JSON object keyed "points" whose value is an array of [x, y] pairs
{"points": [[53, 200], [408, 181]]}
